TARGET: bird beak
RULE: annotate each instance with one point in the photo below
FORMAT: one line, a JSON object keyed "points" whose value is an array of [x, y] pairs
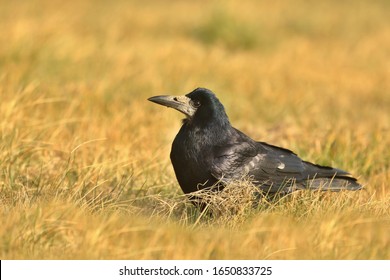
{"points": [[180, 103]]}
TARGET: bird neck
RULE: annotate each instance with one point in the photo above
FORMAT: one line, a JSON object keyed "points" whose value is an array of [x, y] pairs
{"points": [[211, 132]]}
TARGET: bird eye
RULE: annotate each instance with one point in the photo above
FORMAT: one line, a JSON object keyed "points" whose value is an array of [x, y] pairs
{"points": [[195, 103]]}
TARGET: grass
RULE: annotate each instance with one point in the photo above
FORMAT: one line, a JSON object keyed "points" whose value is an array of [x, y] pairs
{"points": [[84, 158]]}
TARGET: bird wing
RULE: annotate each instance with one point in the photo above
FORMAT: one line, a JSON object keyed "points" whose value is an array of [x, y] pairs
{"points": [[275, 169], [265, 164]]}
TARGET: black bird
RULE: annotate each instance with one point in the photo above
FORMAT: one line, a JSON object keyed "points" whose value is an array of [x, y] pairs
{"points": [[209, 152]]}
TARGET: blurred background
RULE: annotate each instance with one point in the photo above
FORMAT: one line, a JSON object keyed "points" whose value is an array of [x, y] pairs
{"points": [[310, 76], [286, 71]]}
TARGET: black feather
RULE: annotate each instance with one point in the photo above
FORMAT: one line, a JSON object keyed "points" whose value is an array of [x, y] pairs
{"points": [[208, 150]]}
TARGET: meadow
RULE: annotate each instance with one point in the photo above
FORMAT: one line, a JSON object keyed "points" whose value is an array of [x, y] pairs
{"points": [[84, 157]]}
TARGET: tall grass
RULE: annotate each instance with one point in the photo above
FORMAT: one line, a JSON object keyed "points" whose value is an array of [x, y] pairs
{"points": [[84, 158]]}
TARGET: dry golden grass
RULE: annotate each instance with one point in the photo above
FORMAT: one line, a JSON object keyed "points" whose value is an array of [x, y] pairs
{"points": [[84, 158]]}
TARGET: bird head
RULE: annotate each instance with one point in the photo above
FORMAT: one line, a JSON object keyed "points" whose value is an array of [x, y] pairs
{"points": [[200, 106]]}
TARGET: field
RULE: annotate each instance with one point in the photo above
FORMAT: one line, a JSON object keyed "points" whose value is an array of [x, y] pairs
{"points": [[84, 157]]}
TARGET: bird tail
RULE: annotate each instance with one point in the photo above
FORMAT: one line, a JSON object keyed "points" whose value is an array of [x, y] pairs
{"points": [[333, 184], [328, 178]]}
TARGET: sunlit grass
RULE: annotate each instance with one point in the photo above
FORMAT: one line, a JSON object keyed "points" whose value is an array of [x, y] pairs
{"points": [[84, 158]]}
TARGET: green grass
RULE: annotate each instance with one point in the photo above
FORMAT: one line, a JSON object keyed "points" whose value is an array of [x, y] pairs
{"points": [[84, 157], [223, 29]]}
